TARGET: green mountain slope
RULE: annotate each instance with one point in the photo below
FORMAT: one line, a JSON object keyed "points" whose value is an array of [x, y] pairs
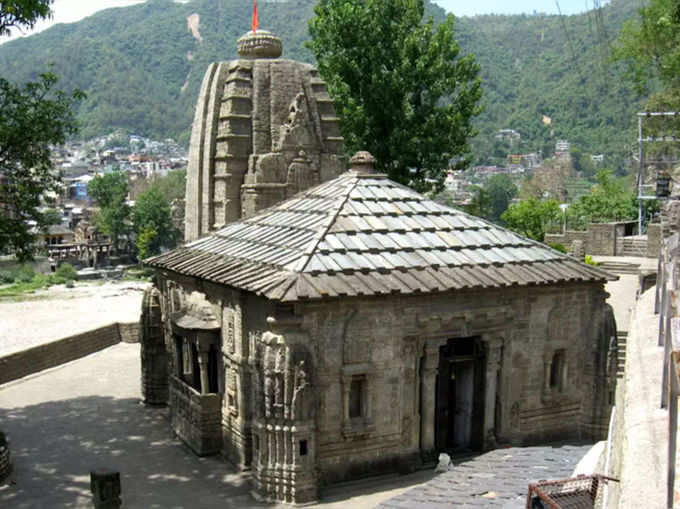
{"points": [[142, 67]]}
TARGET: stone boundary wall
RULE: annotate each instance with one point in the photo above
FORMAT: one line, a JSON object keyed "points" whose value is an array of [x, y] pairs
{"points": [[606, 239], [32, 360], [599, 239]]}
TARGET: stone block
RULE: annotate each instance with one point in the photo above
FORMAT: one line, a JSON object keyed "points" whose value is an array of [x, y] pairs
{"points": [[105, 487], [5, 462]]}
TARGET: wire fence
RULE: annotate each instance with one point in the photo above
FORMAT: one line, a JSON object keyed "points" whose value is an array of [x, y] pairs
{"points": [[582, 492]]}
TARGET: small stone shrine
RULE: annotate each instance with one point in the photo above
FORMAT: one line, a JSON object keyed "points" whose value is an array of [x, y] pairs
{"points": [[264, 129], [358, 327], [153, 352]]}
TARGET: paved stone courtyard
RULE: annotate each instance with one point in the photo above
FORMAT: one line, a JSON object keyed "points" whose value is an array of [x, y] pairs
{"points": [[85, 415], [497, 478]]}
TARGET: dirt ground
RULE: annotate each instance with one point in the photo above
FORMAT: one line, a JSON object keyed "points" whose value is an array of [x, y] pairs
{"points": [[59, 312]]}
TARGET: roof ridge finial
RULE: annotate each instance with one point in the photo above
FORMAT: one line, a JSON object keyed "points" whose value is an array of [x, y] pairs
{"points": [[256, 21], [259, 43], [363, 162]]}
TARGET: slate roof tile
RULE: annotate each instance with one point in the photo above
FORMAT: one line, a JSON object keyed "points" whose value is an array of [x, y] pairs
{"points": [[362, 234]]}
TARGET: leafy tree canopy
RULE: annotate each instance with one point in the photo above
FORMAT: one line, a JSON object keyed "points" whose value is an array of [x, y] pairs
{"points": [[32, 117], [110, 192], [532, 217], [152, 219], [501, 191], [22, 13], [401, 87], [650, 45], [609, 200]]}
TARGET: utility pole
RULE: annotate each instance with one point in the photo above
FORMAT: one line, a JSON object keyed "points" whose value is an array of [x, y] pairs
{"points": [[641, 195]]}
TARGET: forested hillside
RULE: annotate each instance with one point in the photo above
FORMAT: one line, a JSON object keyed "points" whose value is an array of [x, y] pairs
{"points": [[142, 66]]}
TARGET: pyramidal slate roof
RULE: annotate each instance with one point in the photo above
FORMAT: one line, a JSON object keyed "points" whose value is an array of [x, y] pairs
{"points": [[363, 234]]}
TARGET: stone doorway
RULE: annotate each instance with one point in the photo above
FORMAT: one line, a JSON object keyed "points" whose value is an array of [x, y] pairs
{"points": [[459, 400]]}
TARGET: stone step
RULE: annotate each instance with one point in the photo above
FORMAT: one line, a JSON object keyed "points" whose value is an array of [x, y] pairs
{"points": [[620, 268]]}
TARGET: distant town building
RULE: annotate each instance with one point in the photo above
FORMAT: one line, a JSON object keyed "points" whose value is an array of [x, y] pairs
{"points": [[562, 150], [562, 146], [508, 135]]}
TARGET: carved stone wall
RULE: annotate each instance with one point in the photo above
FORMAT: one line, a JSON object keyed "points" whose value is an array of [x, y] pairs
{"points": [[395, 344], [291, 375], [195, 417]]}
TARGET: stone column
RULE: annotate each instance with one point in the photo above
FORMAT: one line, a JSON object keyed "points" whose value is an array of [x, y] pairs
{"points": [[203, 346], [428, 404], [493, 364]]}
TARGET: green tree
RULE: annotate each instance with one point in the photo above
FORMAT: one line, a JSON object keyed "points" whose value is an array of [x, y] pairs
{"points": [[400, 86], [22, 14], [173, 185], [152, 218], [110, 193], [480, 204], [501, 191], [33, 116], [609, 200], [532, 217], [650, 45]]}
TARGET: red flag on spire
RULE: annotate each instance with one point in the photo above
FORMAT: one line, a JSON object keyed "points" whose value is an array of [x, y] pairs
{"points": [[255, 20]]}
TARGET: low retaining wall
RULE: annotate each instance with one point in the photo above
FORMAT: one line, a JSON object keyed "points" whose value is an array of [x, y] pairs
{"points": [[20, 364]]}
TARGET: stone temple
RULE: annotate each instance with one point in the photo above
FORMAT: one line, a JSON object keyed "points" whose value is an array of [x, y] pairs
{"points": [[264, 129], [356, 327]]}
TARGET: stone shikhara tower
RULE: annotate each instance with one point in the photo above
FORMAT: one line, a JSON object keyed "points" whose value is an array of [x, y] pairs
{"points": [[264, 129]]}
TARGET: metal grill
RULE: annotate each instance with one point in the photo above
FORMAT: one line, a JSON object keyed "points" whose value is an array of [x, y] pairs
{"points": [[582, 492]]}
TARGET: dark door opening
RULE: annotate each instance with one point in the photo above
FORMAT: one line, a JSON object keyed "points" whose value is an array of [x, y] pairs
{"points": [[459, 408]]}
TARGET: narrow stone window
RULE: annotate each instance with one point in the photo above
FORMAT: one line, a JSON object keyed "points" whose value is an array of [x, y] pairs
{"points": [[557, 369], [356, 397], [303, 447]]}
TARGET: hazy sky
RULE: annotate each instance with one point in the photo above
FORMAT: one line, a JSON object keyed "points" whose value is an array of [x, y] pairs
{"points": [[68, 11], [472, 7]]}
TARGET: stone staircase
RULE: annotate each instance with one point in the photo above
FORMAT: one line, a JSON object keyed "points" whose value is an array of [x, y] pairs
{"points": [[634, 245], [621, 341], [620, 267]]}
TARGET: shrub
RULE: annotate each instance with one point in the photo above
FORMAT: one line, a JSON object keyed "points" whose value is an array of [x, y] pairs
{"points": [[6, 277], [589, 260], [25, 274], [558, 247], [66, 272]]}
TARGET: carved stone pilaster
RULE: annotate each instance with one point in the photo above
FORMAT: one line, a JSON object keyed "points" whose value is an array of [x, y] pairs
{"points": [[493, 348]]}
